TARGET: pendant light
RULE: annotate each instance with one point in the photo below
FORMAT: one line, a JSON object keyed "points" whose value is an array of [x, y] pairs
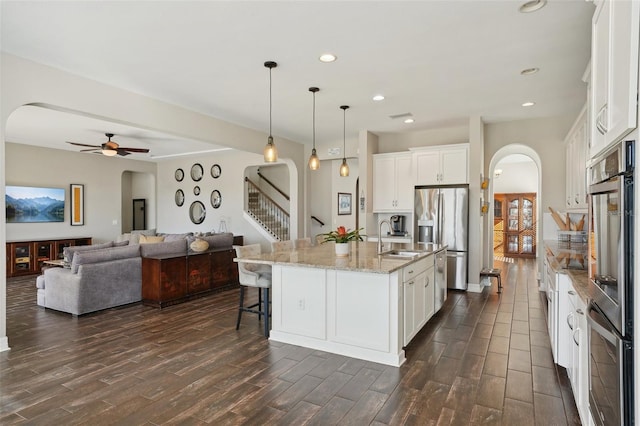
{"points": [[344, 167], [314, 161], [270, 151]]}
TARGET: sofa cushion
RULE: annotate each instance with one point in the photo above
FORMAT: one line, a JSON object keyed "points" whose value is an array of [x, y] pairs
{"points": [[218, 241], [173, 237], [151, 239], [40, 281], [147, 232], [121, 243], [70, 251], [177, 247], [103, 255]]}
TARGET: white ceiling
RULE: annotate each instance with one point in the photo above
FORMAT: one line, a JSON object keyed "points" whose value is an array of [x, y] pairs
{"points": [[442, 61]]}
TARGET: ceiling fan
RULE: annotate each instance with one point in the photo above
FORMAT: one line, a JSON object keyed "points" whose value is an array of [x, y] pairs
{"points": [[109, 148]]}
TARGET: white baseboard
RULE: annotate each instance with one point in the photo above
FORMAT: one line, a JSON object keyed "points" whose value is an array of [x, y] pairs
{"points": [[4, 344], [475, 288]]}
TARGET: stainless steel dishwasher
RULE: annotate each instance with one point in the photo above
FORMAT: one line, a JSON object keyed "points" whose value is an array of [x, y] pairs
{"points": [[441, 279]]}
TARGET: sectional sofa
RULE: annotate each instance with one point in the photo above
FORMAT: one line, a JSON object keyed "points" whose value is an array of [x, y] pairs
{"points": [[106, 275]]}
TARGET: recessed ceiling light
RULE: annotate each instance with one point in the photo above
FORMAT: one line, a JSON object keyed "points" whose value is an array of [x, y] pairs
{"points": [[532, 6], [378, 98], [409, 120], [528, 104], [327, 57], [529, 71]]}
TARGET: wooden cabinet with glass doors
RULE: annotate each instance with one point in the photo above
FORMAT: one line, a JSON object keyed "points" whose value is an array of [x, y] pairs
{"points": [[28, 257], [515, 230]]}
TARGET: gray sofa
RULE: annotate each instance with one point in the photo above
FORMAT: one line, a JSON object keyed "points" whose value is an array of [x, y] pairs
{"points": [[96, 279], [106, 275]]}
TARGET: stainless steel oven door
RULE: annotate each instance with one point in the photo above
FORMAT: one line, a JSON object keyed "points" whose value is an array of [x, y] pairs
{"points": [[611, 372], [607, 258]]}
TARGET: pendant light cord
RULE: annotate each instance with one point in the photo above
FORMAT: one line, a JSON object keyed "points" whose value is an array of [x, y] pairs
{"points": [[314, 120], [270, 102], [344, 133]]}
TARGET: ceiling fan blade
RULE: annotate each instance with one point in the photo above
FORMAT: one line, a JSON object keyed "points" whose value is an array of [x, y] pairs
{"points": [[122, 152], [83, 144], [89, 150], [144, 150]]}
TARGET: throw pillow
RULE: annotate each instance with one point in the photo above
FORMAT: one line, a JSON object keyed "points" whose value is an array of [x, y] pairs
{"points": [[150, 239]]}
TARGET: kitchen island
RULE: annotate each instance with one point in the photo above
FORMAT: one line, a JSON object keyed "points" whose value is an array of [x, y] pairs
{"points": [[365, 306]]}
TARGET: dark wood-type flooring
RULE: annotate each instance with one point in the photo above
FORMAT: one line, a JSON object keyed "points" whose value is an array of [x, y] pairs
{"points": [[483, 359]]}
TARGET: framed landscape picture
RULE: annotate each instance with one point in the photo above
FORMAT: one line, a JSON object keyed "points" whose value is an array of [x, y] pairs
{"points": [[344, 203], [28, 204]]}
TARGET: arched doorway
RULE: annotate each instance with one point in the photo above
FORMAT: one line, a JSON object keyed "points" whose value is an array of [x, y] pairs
{"points": [[514, 228]]}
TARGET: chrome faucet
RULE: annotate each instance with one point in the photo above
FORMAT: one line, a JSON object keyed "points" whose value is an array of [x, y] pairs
{"points": [[380, 244]]}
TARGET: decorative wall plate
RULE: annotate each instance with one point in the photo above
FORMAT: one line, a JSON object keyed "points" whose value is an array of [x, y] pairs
{"points": [[179, 175], [216, 199], [196, 190], [216, 171], [197, 172], [179, 197], [197, 212]]}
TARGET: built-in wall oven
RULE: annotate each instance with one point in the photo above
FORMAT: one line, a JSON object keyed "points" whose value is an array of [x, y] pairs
{"points": [[610, 367], [611, 210]]}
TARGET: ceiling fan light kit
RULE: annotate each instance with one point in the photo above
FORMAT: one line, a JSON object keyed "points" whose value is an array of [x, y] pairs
{"points": [[109, 148], [270, 152]]}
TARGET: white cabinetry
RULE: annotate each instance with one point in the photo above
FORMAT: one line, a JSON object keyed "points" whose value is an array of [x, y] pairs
{"points": [[565, 313], [419, 294], [614, 61], [578, 369], [392, 182], [442, 165], [576, 160]]}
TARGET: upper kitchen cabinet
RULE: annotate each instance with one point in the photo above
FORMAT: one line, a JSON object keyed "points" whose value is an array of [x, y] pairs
{"points": [[614, 61], [392, 182], [576, 160], [442, 165]]}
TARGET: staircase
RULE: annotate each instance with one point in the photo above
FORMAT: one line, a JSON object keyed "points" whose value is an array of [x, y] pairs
{"points": [[266, 212]]}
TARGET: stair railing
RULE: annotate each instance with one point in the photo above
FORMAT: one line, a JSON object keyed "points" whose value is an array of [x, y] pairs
{"points": [[265, 211], [280, 191]]}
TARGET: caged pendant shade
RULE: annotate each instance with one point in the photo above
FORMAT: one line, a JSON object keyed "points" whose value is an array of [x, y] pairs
{"points": [[314, 161], [270, 151], [344, 167]]}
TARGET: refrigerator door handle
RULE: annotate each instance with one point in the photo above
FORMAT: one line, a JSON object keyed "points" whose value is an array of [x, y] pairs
{"points": [[440, 219]]}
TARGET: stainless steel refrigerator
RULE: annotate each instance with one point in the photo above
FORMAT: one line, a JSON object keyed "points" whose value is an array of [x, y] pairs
{"points": [[442, 217]]}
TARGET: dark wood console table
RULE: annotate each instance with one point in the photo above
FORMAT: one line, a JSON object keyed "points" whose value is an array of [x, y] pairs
{"points": [[171, 279]]}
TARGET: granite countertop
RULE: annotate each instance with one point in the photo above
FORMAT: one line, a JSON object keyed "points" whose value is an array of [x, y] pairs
{"points": [[363, 257], [579, 277]]}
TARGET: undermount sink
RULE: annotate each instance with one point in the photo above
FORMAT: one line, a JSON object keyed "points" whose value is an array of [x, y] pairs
{"points": [[401, 254]]}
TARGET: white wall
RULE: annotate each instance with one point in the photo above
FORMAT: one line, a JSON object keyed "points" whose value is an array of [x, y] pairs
{"points": [[516, 178], [143, 186], [325, 184], [319, 193], [546, 137], [175, 219], [100, 175], [346, 185]]}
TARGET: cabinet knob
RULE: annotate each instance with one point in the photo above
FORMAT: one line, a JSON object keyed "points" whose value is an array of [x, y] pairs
{"points": [[571, 292], [580, 311]]}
